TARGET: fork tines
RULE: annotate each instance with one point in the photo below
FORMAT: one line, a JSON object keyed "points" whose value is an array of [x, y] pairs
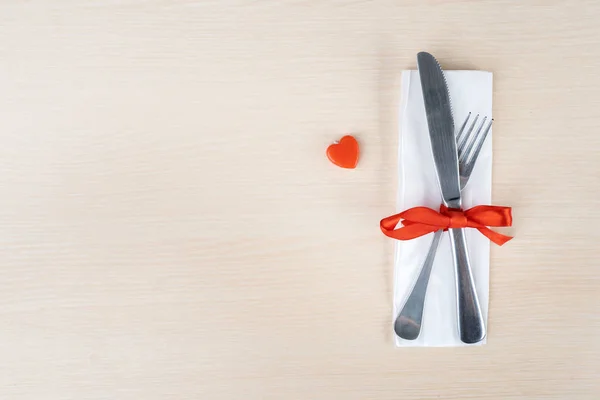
{"points": [[475, 141]]}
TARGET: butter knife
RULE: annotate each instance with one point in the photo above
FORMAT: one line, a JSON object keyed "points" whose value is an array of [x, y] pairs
{"points": [[471, 326]]}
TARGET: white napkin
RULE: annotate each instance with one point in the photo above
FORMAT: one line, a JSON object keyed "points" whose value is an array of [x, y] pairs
{"points": [[470, 91]]}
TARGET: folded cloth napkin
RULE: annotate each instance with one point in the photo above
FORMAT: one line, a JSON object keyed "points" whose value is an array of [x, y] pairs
{"points": [[470, 91]]}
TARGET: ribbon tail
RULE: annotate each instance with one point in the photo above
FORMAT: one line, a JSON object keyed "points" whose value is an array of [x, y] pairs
{"points": [[495, 237]]}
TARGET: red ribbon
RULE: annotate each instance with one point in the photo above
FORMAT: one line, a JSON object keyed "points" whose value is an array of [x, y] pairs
{"points": [[419, 221]]}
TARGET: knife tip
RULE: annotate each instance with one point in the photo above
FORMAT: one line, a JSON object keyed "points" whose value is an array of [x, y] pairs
{"points": [[425, 57]]}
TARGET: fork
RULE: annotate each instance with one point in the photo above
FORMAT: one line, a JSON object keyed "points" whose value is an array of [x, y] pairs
{"points": [[408, 322]]}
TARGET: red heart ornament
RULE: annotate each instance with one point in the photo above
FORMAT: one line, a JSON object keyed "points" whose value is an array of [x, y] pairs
{"points": [[344, 153]]}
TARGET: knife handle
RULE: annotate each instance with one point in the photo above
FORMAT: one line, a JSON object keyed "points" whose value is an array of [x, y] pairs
{"points": [[471, 326], [408, 323]]}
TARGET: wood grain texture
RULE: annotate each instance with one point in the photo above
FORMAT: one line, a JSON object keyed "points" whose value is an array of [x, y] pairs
{"points": [[172, 229]]}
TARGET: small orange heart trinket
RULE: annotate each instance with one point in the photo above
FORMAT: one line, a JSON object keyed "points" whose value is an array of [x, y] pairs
{"points": [[344, 153]]}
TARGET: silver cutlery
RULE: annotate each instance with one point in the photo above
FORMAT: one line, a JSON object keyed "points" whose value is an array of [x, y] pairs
{"points": [[471, 326], [409, 321]]}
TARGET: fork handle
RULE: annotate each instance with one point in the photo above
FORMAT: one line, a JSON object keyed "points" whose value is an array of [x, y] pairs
{"points": [[471, 326]]}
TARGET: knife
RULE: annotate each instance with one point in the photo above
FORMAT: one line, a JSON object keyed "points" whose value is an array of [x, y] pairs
{"points": [[440, 122]]}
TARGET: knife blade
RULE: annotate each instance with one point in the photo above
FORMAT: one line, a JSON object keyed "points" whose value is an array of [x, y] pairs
{"points": [[440, 123], [441, 127]]}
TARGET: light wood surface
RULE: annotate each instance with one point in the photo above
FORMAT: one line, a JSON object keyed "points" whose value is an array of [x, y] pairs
{"points": [[171, 228]]}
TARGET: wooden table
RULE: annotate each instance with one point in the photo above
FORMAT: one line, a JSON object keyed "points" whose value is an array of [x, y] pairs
{"points": [[171, 228]]}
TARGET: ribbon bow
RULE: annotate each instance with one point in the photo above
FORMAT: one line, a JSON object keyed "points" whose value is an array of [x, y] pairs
{"points": [[419, 221]]}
